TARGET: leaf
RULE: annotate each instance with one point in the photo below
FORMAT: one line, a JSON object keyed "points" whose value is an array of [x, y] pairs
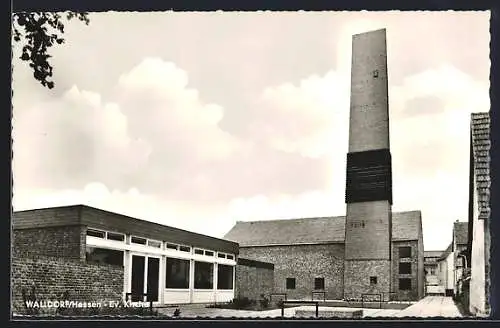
{"points": [[38, 32]]}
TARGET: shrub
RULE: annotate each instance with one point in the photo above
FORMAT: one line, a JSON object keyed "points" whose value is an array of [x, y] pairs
{"points": [[264, 301], [241, 303]]}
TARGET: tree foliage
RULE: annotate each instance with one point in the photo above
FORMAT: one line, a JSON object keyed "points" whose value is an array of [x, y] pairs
{"points": [[37, 32]]}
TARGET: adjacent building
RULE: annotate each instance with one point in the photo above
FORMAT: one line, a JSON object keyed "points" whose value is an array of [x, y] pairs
{"points": [[169, 265], [431, 268], [452, 262], [479, 214]]}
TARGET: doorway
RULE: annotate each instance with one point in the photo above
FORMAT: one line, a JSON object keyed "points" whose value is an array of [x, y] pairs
{"points": [[145, 278]]}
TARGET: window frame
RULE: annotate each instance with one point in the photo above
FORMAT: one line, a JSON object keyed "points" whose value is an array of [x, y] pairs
{"points": [[321, 285], [104, 233], [409, 287], [167, 258], [405, 248], [289, 281], [404, 265]]}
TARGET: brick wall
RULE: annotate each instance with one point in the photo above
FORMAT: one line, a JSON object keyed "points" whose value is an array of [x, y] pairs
{"points": [[417, 283], [252, 281], [357, 278], [304, 263], [63, 242], [51, 277]]}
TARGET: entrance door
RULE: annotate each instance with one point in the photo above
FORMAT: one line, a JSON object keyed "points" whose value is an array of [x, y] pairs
{"points": [[153, 278], [145, 278], [137, 283]]}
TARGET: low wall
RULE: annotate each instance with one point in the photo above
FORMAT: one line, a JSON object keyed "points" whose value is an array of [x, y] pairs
{"points": [[253, 278], [51, 278]]}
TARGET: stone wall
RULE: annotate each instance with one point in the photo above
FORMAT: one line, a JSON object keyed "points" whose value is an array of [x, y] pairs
{"points": [[52, 277], [304, 263], [62, 242], [253, 280], [358, 274]]}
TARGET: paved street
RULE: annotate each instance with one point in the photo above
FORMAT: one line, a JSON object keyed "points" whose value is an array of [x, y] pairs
{"points": [[431, 306]]}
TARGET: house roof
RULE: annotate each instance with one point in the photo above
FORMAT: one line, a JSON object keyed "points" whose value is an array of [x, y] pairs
{"points": [[405, 226], [480, 134], [460, 232], [100, 219], [433, 253], [446, 252]]}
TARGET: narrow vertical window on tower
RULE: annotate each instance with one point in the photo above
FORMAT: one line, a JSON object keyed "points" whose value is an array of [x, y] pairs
{"points": [[375, 73], [373, 281]]}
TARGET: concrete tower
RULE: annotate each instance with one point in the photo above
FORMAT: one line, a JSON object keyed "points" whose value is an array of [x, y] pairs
{"points": [[368, 196]]}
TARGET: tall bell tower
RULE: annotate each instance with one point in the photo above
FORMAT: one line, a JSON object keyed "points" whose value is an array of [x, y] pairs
{"points": [[368, 194]]}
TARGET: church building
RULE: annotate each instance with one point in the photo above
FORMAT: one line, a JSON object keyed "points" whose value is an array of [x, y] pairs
{"points": [[371, 250]]}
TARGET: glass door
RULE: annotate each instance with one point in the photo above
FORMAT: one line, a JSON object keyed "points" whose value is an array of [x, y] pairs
{"points": [[145, 278]]}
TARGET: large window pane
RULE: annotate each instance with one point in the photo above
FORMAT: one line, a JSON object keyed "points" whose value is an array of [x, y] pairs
{"points": [[104, 256], [177, 273], [224, 277], [203, 275]]}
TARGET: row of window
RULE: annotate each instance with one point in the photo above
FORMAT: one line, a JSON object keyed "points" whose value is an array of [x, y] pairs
{"points": [[404, 283], [153, 243], [177, 270], [319, 283], [177, 275]]}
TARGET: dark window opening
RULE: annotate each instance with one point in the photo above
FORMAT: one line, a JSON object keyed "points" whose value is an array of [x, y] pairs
{"points": [[209, 253], [375, 73], [115, 236], [404, 268], [224, 276], [138, 240], [177, 273], [373, 280], [319, 283], [198, 251], [404, 252], [203, 275], [290, 283], [185, 249], [103, 256], [96, 233], [172, 246], [229, 257], [154, 243], [221, 255], [404, 284]]}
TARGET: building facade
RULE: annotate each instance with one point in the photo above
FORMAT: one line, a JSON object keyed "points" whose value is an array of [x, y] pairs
{"points": [[169, 265], [308, 255], [453, 263], [479, 214], [431, 267]]}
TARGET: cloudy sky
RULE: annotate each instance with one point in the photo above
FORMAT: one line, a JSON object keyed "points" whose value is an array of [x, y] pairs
{"points": [[197, 120]]}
